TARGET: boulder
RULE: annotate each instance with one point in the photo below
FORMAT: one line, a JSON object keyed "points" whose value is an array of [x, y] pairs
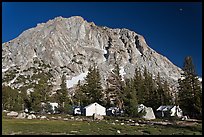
{"points": [[29, 117], [5, 111], [21, 115], [33, 116], [43, 117], [12, 114], [71, 117], [97, 117], [118, 131], [65, 119]]}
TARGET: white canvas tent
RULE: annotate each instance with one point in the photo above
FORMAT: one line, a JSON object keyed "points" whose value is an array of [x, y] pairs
{"points": [[94, 108], [170, 110], [54, 106], [149, 111]]}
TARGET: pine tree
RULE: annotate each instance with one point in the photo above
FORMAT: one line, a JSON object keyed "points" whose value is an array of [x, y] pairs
{"points": [[160, 91], [149, 89], [5, 97], [130, 100], [40, 94], [35, 100], [92, 89], [11, 99], [80, 97], [63, 91], [167, 97], [62, 96], [116, 87], [138, 83], [26, 98], [190, 93], [164, 97]]}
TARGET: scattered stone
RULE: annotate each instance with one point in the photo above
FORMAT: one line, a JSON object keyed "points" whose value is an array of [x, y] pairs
{"points": [[33, 116], [26, 110], [58, 134], [21, 115], [12, 114], [97, 117], [118, 131], [32, 112], [16, 133], [73, 131], [43, 117], [130, 120], [184, 118], [116, 120], [136, 124], [72, 118], [122, 123], [53, 118], [29, 117], [38, 116], [65, 119], [80, 119], [6, 111]]}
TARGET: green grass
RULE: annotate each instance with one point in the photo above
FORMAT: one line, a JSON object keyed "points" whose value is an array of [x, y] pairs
{"points": [[44, 127]]}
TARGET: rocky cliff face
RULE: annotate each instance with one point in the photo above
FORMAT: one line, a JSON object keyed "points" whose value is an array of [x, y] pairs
{"points": [[71, 45]]}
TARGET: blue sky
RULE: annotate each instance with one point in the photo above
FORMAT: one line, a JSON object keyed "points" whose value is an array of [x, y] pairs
{"points": [[173, 29]]}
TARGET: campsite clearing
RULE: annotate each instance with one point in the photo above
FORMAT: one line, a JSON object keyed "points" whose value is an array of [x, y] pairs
{"points": [[11, 126]]}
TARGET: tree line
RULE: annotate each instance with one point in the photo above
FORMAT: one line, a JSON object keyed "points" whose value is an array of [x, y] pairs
{"points": [[126, 94]]}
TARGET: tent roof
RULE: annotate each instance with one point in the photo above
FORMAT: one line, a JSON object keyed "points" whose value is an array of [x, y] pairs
{"points": [[164, 108], [92, 104]]}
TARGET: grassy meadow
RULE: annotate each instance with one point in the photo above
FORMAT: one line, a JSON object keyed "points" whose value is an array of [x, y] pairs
{"points": [[12, 126]]}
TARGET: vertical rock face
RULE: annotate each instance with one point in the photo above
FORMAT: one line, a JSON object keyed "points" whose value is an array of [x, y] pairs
{"points": [[71, 45]]}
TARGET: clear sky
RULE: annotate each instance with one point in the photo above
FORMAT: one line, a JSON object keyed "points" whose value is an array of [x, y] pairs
{"points": [[173, 29]]}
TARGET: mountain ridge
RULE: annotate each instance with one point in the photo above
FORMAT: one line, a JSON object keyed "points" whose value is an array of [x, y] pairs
{"points": [[71, 45]]}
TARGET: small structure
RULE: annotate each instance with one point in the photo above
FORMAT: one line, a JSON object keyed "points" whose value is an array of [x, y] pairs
{"points": [[166, 111], [148, 112], [53, 105], [77, 110], [94, 108], [114, 111]]}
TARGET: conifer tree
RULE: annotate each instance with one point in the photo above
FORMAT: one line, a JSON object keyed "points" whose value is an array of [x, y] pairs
{"points": [[138, 83], [80, 97], [62, 96], [11, 99], [92, 87], [116, 87], [39, 95], [167, 97], [190, 94], [160, 91], [149, 89], [130, 100], [164, 97]]}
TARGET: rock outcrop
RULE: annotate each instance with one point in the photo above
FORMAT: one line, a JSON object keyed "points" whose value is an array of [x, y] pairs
{"points": [[70, 45]]}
